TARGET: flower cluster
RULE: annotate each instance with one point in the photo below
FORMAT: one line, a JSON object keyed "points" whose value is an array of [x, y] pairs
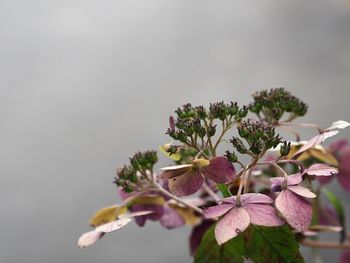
{"points": [[257, 208]]}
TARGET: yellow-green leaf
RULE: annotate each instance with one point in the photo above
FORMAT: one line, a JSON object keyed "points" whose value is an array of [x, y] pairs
{"points": [[106, 215], [175, 156]]}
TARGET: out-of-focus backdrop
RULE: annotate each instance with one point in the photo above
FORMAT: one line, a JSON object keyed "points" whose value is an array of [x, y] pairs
{"points": [[84, 84]]}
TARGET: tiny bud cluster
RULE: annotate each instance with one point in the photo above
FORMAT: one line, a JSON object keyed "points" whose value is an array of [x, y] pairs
{"points": [[274, 103]]}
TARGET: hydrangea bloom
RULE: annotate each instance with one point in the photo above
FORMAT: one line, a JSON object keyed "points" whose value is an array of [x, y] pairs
{"points": [[237, 215], [187, 179], [290, 202]]}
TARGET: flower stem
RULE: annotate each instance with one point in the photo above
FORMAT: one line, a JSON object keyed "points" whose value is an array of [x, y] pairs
{"points": [[325, 244], [210, 192], [170, 195]]}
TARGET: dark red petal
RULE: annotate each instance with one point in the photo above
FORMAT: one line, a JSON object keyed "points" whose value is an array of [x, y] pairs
{"points": [[186, 184], [220, 170]]}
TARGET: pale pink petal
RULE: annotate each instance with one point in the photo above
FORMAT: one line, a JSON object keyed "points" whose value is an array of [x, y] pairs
{"points": [[217, 211], [338, 125], [186, 184], [230, 200], [171, 219], [302, 191], [263, 215], [89, 238], [220, 170], [318, 139], [296, 210], [321, 169], [231, 225], [255, 198], [113, 226], [293, 179]]}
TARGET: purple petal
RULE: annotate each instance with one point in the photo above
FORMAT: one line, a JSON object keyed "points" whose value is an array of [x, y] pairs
{"points": [[293, 179], [321, 169], [156, 215], [344, 158], [217, 211], [172, 122], [230, 200], [186, 184], [231, 225], [345, 256], [197, 234], [255, 198], [263, 215], [324, 179], [296, 210], [220, 170], [302, 191], [89, 238], [171, 219], [338, 145], [344, 179], [328, 216]]}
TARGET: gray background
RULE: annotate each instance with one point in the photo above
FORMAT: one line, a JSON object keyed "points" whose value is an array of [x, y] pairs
{"points": [[84, 84]]}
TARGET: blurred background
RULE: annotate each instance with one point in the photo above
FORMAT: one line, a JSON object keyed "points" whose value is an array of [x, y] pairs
{"points": [[85, 84]]}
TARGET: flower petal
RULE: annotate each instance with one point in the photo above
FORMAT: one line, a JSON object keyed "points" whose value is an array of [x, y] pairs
{"points": [[296, 210], [316, 140], [157, 213], [89, 238], [113, 226], [338, 125], [186, 184], [320, 169], [107, 214], [263, 215], [176, 170], [344, 179], [171, 219], [293, 179], [231, 225], [217, 211], [220, 170], [255, 198], [302, 191]]}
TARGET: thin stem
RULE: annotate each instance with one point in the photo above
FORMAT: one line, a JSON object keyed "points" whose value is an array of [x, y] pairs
{"points": [[210, 192], [325, 244], [165, 192], [247, 181], [308, 125]]}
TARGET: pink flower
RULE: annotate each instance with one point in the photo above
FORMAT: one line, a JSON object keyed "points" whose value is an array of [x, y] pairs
{"points": [[290, 202], [252, 208], [186, 179], [341, 150]]}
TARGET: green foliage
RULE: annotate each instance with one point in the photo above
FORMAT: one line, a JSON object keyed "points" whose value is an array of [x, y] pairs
{"points": [[272, 245], [210, 252], [259, 244]]}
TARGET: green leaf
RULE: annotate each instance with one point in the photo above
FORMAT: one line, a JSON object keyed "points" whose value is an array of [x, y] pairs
{"points": [[224, 190], [339, 208], [210, 252], [271, 245]]}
